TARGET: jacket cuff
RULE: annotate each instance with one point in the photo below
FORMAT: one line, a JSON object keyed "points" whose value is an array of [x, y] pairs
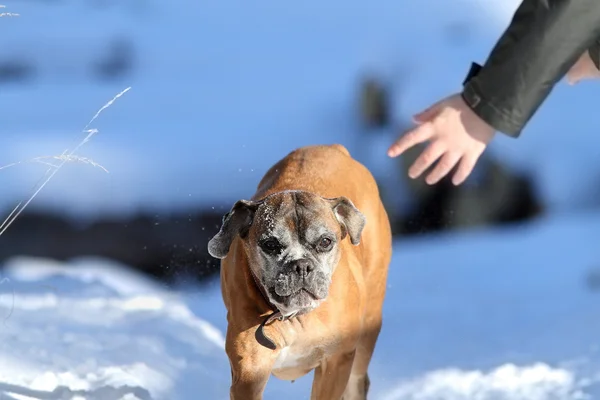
{"points": [[485, 109], [594, 52]]}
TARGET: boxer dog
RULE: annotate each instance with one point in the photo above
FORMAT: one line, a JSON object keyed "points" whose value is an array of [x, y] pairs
{"points": [[303, 275]]}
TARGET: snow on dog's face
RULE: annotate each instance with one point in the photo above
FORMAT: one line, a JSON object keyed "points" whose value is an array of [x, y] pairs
{"points": [[292, 240]]}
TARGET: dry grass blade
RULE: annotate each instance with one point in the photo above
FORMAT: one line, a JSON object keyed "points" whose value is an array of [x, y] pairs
{"points": [[62, 157], [7, 14], [66, 156]]}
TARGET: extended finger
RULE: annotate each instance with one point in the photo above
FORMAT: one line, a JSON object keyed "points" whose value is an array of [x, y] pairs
{"points": [[443, 167], [413, 137], [465, 167], [427, 158]]}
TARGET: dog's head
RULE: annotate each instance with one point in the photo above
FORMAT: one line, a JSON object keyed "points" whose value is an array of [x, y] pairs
{"points": [[292, 241]]}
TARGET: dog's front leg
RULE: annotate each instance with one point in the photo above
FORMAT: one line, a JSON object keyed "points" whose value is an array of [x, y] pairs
{"points": [[251, 365], [331, 377]]}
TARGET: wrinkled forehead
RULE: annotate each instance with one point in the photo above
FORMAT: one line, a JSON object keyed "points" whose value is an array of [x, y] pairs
{"points": [[292, 215]]}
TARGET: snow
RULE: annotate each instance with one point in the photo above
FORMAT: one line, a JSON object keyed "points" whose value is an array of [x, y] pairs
{"points": [[488, 314], [507, 381], [93, 328]]}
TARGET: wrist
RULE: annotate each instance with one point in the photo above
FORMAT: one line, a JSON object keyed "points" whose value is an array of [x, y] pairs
{"points": [[483, 109]]}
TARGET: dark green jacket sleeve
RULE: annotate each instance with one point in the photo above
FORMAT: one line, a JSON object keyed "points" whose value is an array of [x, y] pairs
{"points": [[595, 53], [543, 40]]}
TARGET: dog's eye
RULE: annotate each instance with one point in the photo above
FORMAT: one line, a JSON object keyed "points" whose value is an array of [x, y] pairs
{"points": [[271, 245], [325, 243]]}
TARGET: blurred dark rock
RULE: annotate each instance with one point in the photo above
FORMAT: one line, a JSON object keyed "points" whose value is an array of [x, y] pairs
{"points": [[169, 247], [592, 280], [501, 197], [117, 62], [15, 71], [374, 103]]}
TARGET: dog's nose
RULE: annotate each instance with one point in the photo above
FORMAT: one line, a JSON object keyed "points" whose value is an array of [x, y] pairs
{"points": [[302, 267]]}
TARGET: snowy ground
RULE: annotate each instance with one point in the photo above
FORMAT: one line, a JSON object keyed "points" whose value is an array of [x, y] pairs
{"points": [[486, 315]]}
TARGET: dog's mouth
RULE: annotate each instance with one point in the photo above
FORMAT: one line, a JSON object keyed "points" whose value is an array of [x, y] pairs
{"points": [[300, 298], [304, 292], [291, 292]]}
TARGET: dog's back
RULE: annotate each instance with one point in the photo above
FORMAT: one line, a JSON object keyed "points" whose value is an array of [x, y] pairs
{"points": [[312, 168]]}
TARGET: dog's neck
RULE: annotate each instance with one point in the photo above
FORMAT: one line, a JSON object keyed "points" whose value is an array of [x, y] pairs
{"points": [[262, 291]]}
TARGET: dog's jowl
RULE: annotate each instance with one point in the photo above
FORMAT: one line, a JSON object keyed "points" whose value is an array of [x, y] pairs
{"points": [[304, 266]]}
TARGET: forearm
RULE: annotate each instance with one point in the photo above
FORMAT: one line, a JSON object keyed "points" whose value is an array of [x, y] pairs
{"points": [[543, 41]]}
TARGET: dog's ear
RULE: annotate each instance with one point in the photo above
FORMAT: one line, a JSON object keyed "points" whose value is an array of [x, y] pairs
{"points": [[350, 218], [237, 221]]}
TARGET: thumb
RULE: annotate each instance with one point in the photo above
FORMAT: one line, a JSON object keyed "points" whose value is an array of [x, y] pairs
{"points": [[427, 114]]}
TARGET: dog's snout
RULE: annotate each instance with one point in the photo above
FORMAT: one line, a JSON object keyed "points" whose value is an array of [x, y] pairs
{"points": [[302, 267]]}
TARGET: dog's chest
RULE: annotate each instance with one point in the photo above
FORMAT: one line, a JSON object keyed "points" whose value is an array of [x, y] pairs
{"points": [[292, 363], [287, 359]]}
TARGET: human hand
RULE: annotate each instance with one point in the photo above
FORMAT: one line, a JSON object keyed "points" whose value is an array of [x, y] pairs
{"points": [[455, 135], [584, 68]]}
